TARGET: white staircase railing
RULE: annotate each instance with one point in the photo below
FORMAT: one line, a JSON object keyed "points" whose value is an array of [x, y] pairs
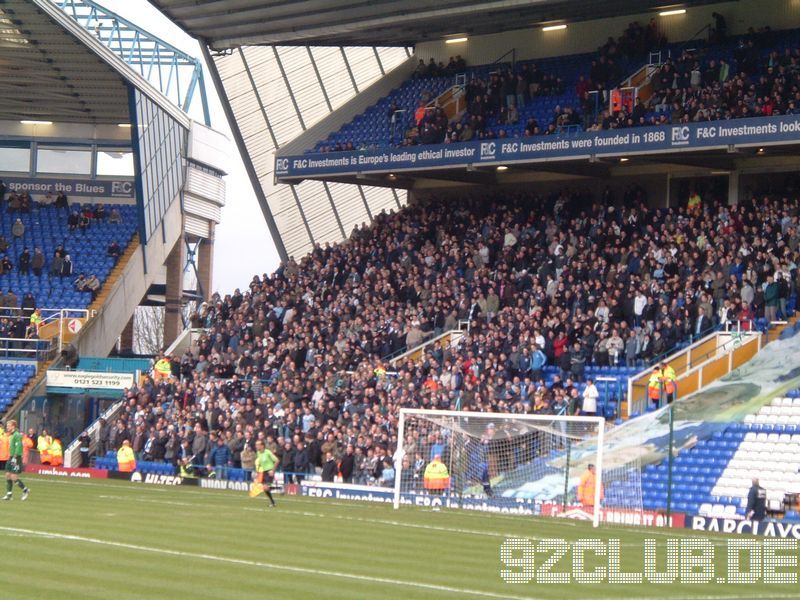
{"points": [[72, 455]]}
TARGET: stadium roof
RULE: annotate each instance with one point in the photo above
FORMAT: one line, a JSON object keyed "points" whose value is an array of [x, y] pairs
{"points": [[52, 69], [224, 24]]}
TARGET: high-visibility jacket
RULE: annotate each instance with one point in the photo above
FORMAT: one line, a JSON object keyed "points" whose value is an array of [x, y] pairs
{"points": [[27, 444], [56, 453], [126, 460], [163, 368], [43, 446], [669, 377], [36, 319], [4, 446], [436, 476], [586, 489], [654, 385], [694, 201]]}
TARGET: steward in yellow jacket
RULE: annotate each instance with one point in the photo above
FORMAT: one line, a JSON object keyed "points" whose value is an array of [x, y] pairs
{"points": [[586, 487], [126, 459], [437, 478]]}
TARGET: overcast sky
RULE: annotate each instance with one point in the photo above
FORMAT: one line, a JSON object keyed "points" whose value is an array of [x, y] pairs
{"points": [[243, 245]]}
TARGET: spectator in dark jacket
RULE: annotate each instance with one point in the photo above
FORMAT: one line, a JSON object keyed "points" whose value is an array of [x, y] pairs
{"points": [[218, 458], [348, 464], [301, 463], [199, 445], [329, 468]]}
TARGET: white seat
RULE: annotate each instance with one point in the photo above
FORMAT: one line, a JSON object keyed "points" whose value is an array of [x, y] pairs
{"points": [[705, 509], [785, 438], [750, 436], [787, 401], [762, 437], [730, 510], [750, 419], [765, 410]]}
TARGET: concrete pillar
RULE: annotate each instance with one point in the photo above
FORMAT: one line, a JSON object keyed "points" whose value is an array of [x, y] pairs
{"points": [[205, 263], [668, 190], [174, 294], [733, 188], [126, 338]]}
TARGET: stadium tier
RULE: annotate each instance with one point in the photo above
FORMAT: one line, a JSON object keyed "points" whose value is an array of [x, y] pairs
{"points": [[49, 230], [555, 290], [712, 479], [746, 76], [13, 378]]}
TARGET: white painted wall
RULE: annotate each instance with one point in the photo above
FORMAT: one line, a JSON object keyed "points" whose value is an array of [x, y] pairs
{"points": [[76, 131]]}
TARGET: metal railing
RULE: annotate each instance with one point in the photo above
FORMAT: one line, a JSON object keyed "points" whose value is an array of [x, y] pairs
{"points": [[62, 316], [499, 59], [463, 328], [27, 349], [693, 338], [72, 452], [690, 361]]}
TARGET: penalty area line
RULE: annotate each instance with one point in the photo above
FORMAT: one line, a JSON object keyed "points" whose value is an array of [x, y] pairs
{"points": [[263, 565]]}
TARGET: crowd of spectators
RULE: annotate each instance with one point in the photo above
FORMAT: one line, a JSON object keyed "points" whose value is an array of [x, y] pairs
{"points": [[692, 87], [17, 319], [566, 279]]}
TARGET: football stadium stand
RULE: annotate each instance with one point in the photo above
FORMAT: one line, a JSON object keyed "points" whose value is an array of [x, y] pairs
{"points": [[13, 378], [307, 353], [746, 76], [85, 246], [712, 479]]}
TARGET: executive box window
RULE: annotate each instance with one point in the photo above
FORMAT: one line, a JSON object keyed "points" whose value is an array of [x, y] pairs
{"points": [[67, 161], [15, 160], [113, 163]]}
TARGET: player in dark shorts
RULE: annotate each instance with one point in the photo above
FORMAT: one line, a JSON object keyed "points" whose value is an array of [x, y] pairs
{"points": [[14, 462]]}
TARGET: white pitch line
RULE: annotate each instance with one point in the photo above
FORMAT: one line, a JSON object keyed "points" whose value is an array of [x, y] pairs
{"points": [[169, 502], [402, 524], [42, 479], [264, 565]]}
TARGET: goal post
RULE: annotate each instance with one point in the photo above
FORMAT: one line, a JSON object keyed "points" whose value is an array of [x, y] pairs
{"points": [[452, 458]]}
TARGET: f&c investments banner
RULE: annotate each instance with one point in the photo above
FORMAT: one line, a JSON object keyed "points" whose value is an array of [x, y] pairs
{"points": [[640, 140]]}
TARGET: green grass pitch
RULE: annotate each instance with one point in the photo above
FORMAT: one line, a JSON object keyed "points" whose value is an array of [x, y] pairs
{"points": [[109, 539]]}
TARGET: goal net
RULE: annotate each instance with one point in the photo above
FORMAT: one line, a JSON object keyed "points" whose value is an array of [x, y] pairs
{"points": [[552, 464]]}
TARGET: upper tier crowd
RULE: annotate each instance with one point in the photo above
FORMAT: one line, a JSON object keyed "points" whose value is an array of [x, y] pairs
{"points": [[690, 87], [566, 279]]}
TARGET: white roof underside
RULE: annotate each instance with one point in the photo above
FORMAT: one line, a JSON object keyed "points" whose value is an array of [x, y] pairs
{"points": [[261, 104]]}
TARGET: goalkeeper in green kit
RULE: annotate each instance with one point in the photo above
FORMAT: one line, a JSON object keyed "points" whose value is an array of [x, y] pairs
{"points": [[266, 461], [14, 463]]}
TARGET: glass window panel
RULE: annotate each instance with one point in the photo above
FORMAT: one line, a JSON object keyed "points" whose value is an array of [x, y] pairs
{"points": [[115, 163], [15, 160], [62, 160]]}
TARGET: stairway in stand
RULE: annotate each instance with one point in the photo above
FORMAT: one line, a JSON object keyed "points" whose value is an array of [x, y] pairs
{"points": [[115, 274]]}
